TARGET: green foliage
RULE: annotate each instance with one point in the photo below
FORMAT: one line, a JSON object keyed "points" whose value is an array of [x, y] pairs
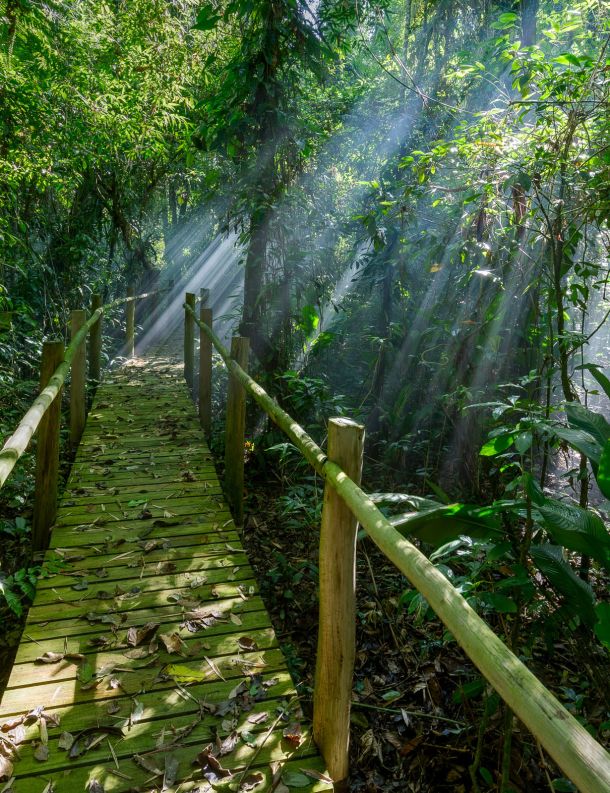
{"points": [[19, 586]]}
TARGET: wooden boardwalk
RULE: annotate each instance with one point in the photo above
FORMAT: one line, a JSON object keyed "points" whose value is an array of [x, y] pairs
{"points": [[148, 660]]}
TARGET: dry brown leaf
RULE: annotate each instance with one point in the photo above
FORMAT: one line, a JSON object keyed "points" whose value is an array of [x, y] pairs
{"points": [[210, 766], [247, 644], [227, 744], [172, 641], [136, 636], [55, 658], [316, 775], [292, 734], [251, 781]]}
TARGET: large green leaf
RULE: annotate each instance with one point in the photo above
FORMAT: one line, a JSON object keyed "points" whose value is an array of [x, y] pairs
{"points": [[497, 445], [579, 439], [576, 529], [402, 500], [603, 472], [595, 424], [578, 595], [601, 378], [445, 523], [207, 18]]}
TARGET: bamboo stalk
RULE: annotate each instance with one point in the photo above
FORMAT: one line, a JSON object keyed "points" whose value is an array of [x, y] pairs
{"points": [[337, 621], [189, 341], [130, 323], [20, 439], [78, 384], [205, 373], [47, 452], [576, 752], [235, 432], [95, 344]]}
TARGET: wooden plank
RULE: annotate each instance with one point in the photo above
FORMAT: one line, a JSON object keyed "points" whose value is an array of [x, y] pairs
{"points": [[164, 613], [154, 706], [143, 535], [88, 644], [135, 598]]}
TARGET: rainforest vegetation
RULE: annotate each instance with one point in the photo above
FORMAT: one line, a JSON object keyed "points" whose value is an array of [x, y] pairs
{"points": [[404, 204]]}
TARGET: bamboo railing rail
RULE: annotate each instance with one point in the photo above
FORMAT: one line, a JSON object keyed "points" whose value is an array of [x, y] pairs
{"points": [[51, 385], [581, 758]]}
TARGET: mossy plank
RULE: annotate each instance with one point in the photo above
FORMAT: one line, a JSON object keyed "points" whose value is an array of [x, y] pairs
{"points": [[143, 535], [89, 643], [166, 612]]}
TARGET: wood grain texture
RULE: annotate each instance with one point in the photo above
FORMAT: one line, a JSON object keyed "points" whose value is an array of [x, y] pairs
{"points": [[337, 621]]}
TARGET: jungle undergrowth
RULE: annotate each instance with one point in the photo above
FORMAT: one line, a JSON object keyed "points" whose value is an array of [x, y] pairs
{"points": [[419, 704]]}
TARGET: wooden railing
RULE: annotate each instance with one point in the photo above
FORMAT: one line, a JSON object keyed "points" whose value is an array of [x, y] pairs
{"points": [[45, 413], [576, 752]]}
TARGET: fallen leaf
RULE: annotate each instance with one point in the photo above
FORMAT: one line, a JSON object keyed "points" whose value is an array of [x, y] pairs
{"points": [[184, 674], [165, 568], [136, 636], [55, 658], [258, 718], [6, 768], [172, 641], [292, 734], [85, 673], [41, 752], [210, 767], [66, 739], [226, 745], [251, 781], [201, 618], [317, 775], [295, 779], [213, 667], [171, 770], [147, 764]]}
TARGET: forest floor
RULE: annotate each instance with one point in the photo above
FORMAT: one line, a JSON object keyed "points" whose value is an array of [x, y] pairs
{"points": [[417, 717]]}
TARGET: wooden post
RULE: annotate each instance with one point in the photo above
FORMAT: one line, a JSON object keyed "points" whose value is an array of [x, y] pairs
{"points": [[235, 432], [47, 452], [189, 342], [130, 324], [205, 373], [78, 382], [337, 620], [95, 345]]}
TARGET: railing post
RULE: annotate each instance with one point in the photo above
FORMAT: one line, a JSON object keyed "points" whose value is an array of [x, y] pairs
{"points": [[337, 620], [189, 341], [78, 382], [47, 451], [205, 372], [235, 432], [95, 345], [130, 324]]}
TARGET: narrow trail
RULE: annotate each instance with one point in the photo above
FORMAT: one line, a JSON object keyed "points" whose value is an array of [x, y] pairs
{"points": [[148, 660]]}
